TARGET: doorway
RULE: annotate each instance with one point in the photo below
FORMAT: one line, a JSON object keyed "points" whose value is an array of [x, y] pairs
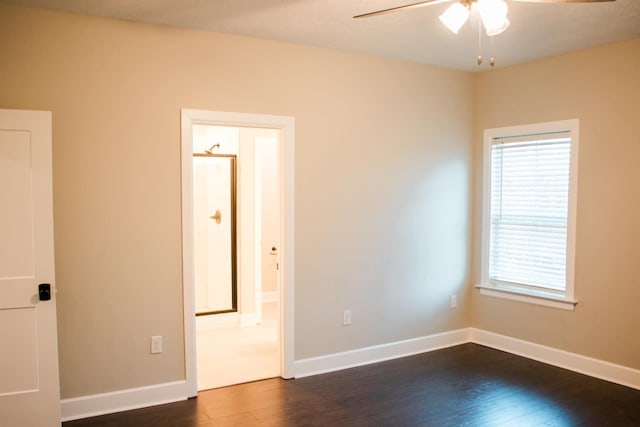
{"points": [[242, 346], [237, 176]]}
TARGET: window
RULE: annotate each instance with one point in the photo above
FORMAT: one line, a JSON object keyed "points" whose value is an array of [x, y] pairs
{"points": [[529, 206]]}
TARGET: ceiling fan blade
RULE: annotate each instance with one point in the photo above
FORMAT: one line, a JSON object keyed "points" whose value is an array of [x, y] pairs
{"points": [[407, 6], [564, 1]]}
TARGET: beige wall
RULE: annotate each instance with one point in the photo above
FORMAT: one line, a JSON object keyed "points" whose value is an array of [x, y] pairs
{"points": [[383, 170], [601, 87], [383, 160]]}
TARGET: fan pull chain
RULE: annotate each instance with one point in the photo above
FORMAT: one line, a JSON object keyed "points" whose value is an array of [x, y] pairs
{"points": [[480, 43], [492, 60]]}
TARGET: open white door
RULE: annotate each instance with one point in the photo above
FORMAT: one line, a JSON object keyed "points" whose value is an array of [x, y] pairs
{"points": [[29, 384]]}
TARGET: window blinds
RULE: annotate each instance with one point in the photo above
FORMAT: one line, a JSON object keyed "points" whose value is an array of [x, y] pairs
{"points": [[529, 209]]}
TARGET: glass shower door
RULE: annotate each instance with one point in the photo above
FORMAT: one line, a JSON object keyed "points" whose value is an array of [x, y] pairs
{"points": [[214, 221]]}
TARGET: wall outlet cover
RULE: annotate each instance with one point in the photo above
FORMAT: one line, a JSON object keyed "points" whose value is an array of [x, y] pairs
{"points": [[156, 344], [346, 317]]}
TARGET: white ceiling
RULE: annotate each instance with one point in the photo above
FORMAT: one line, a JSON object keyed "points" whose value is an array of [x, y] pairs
{"points": [[537, 29]]}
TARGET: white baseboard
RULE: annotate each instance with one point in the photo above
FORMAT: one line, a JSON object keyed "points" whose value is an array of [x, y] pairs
{"points": [[378, 353], [270, 296], [123, 400], [574, 362]]}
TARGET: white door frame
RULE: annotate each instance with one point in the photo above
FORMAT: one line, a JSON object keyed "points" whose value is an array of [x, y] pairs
{"points": [[286, 273]]}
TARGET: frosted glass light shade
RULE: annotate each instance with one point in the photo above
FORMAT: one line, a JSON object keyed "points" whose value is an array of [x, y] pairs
{"points": [[455, 17], [495, 27], [494, 16]]}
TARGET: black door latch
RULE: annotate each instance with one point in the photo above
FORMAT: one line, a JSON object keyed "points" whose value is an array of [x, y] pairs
{"points": [[44, 291]]}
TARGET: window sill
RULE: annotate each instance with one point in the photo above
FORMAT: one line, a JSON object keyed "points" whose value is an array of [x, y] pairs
{"points": [[531, 297]]}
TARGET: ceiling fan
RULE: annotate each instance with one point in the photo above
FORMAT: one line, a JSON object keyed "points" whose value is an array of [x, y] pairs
{"points": [[493, 13]]}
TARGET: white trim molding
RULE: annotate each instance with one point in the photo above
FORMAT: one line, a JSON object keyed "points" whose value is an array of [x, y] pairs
{"points": [[562, 299], [378, 353], [270, 296], [286, 126], [574, 362], [531, 297], [123, 400]]}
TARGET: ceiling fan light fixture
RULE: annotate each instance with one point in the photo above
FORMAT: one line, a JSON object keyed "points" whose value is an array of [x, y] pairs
{"points": [[494, 16], [495, 28], [454, 17]]}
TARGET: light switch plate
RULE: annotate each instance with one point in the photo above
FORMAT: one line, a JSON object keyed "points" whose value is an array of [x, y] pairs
{"points": [[156, 344]]}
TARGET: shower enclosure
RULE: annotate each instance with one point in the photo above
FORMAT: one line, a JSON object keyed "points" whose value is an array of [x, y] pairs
{"points": [[214, 221]]}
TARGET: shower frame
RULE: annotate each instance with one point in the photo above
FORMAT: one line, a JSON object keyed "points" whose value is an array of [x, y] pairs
{"points": [[234, 257]]}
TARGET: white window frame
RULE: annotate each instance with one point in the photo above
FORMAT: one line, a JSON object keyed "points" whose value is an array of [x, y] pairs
{"points": [[564, 300]]}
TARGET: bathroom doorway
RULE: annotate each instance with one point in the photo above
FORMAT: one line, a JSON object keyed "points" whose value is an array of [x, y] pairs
{"points": [[237, 167], [236, 326]]}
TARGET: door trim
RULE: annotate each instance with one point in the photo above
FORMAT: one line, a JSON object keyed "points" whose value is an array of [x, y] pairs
{"points": [[286, 125]]}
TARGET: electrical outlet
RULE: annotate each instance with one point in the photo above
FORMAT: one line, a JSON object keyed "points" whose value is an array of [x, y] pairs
{"points": [[156, 344], [454, 301], [346, 317]]}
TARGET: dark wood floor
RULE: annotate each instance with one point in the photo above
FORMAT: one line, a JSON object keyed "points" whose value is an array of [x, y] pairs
{"points": [[466, 385]]}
